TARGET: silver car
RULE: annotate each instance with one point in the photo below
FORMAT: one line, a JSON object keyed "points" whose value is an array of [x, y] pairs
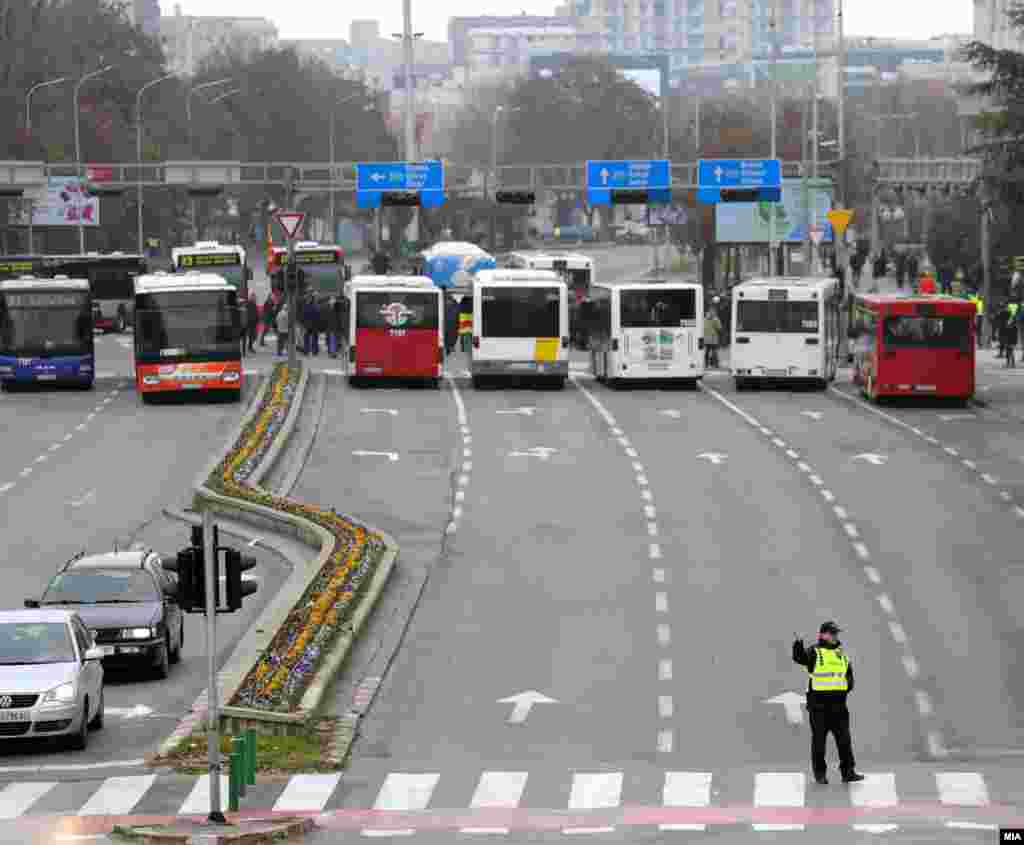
{"points": [[51, 676]]}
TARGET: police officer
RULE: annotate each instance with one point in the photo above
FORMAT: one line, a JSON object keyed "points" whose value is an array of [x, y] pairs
{"points": [[830, 681]]}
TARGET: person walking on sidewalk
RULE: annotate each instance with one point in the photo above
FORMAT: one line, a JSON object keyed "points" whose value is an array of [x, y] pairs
{"points": [[1008, 333], [282, 327], [712, 337], [269, 315], [252, 320], [830, 681]]}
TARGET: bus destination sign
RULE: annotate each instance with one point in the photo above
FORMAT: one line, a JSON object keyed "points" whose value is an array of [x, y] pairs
{"points": [[217, 259], [66, 299]]}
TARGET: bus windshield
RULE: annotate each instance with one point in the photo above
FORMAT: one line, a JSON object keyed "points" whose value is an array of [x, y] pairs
{"points": [[187, 323], [46, 324], [926, 331], [520, 312], [396, 310], [642, 309], [785, 316]]}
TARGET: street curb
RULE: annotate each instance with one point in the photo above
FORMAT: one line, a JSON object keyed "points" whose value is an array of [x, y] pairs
{"points": [[291, 477], [292, 829], [284, 435]]}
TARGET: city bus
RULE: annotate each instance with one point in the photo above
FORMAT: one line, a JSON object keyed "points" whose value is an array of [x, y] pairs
{"points": [[913, 346], [187, 334], [46, 332], [396, 328], [227, 260], [785, 330], [16, 266], [323, 266], [111, 280], [520, 326], [577, 269], [647, 330]]}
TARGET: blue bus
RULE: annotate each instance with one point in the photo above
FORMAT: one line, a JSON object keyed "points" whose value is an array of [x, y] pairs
{"points": [[46, 332]]}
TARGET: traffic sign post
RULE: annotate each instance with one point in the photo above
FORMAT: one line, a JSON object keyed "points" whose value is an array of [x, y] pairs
{"points": [[739, 180], [620, 182], [401, 183], [291, 223]]}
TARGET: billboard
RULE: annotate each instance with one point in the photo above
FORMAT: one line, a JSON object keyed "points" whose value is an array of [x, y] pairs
{"points": [[749, 222], [64, 203]]}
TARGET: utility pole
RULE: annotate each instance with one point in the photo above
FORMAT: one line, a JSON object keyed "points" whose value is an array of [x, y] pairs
{"points": [[212, 694], [409, 115], [292, 275], [805, 187], [773, 247], [842, 111]]}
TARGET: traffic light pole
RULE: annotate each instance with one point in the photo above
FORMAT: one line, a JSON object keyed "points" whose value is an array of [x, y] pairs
{"points": [[292, 280], [212, 694]]}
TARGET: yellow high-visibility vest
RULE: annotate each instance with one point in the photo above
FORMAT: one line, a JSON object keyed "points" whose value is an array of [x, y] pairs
{"points": [[829, 673], [465, 323]]}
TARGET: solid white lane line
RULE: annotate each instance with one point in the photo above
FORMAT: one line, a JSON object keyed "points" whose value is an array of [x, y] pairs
{"points": [[962, 789], [80, 427], [117, 796], [665, 706], [661, 602], [949, 450], [779, 789], [18, 798], [988, 479], [664, 634], [1019, 511], [460, 495], [623, 441], [41, 459], [778, 441], [463, 480], [686, 789], [457, 512], [467, 466], [198, 801], [803, 466], [665, 669], [467, 453], [460, 406], [617, 431], [307, 793]]}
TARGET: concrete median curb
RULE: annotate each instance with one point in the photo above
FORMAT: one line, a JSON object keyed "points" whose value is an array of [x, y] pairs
{"points": [[247, 832]]}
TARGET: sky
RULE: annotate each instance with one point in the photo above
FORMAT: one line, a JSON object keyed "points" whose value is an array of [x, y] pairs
{"points": [[316, 19]]}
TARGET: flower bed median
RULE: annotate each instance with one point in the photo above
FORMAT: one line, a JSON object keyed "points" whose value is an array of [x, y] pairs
{"points": [[282, 673]]}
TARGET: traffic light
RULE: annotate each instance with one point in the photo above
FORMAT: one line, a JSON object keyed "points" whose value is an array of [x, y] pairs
{"points": [[191, 579], [235, 563]]}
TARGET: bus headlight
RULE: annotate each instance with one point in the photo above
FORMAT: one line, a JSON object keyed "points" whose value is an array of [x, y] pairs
{"points": [[7, 370], [151, 380]]}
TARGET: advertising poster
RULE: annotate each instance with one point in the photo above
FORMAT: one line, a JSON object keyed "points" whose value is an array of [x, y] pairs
{"points": [[750, 222], [65, 204]]}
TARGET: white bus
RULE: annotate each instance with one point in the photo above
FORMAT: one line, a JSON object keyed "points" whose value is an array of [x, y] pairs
{"points": [[577, 269], [520, 325], [647, 330], [785, 329]]}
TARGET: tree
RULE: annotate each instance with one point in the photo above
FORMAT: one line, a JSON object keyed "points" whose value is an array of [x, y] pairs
{"points": [[954, 237]]}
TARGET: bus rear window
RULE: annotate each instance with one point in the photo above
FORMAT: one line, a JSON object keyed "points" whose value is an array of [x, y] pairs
{"points": [[926, 331], [398, 310], [520, 312], [643, 309], [777, 316]]}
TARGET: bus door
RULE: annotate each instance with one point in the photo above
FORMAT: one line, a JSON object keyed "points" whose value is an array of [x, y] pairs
{"points": [[660, 333], [397, 334]]}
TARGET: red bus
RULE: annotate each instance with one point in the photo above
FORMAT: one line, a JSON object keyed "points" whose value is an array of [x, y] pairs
{"points": [[913, 346], [396, 328]]}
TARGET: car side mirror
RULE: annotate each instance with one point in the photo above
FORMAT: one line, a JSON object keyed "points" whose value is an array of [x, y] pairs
{"points": [[33, 603], [94, 653]]}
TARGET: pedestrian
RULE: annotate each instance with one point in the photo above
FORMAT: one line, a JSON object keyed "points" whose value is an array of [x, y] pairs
{"points": [[901, 268], [269, 314], [252, 320], [282, 327], [830, 681], [311, 322], [335, 321], [451, 324], [466, 322], [381, 263], [999, 321], [712, 337], [1008, 334], [926, 285]]}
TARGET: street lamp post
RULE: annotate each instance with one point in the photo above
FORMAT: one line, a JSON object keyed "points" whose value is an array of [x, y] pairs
{"points": [[78, 146], [498, 111], [408, 112], [191, 135], [28, 135], [334, 110], [138, 142]]}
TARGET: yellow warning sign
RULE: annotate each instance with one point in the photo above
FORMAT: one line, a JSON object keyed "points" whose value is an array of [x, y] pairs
{"points": [[840, 218]]}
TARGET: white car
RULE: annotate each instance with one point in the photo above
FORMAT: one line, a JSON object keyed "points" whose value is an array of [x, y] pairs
{"points": [[51, 676]]}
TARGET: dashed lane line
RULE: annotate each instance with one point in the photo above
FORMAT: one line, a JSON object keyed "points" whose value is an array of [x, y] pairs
{"points": [[936, 746], [463, 479]]}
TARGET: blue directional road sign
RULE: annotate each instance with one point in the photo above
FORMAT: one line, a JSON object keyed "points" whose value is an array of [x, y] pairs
{"points": [[636, 181], [739, 180], [380, 180]]}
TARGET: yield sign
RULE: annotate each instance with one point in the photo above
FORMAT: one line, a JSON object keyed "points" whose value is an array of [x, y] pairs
{"points": [[291, 222]]}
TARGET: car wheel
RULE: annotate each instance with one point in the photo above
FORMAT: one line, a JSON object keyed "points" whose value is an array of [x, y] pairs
{"points": [[176, 654], [97, 720], [80, 740], [163, 666]]}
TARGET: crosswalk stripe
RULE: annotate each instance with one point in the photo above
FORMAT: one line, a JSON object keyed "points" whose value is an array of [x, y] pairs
{"points": [[597, 791], [963, 789], [17, 798], [779, 789], [307, 793], [876, 790], [686, 789], [501, 790], [117, 795], [402, 791], [198, 801]]}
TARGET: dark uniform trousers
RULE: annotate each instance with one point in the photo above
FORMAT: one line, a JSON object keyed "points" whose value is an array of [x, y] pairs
{"points": [[834, 718]]}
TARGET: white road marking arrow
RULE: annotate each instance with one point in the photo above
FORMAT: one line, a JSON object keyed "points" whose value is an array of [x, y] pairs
{"points": [[523, 411], [953, 417], [86, 499], [524, 702], [814, 415], [362, 453], [139, 711], [718, 173], [715, 457], [542, 452], [793, 703], [671, 412], [871, 458], [391, 411], [604, 175]]}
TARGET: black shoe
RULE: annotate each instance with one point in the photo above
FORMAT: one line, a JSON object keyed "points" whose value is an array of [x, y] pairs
{"points": [[821, 779], [853, 777]]}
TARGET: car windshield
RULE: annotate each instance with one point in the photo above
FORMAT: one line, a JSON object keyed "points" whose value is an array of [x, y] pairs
{"points": [[101, 586], [25, 643]]}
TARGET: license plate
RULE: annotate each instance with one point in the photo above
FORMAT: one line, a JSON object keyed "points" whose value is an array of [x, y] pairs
{"points": [[107, 650], [191, 386], [15, 716], [522, 366], [657, 366], [46, 378]]}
